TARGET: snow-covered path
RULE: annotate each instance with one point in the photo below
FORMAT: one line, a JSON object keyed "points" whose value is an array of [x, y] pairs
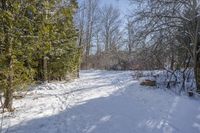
{"points": [[103, 102]]}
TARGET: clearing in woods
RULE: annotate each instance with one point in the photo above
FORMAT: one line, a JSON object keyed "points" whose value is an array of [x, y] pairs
{"points": [[103, 102]]}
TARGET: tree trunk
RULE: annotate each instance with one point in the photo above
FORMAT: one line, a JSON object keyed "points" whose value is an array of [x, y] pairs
{"points": [[9, 90], [8, 94], [45, 77], [87, 56], [197, 73], [78, 73], [88, 33], [42, 69], [39, 70], [129, 37], [196, 57], [172, 61], [198, 78]]}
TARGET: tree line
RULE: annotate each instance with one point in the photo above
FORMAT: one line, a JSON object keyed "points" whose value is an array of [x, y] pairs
{"points": [[154, 34], [38, 43], [99, 34], [170, 30]]}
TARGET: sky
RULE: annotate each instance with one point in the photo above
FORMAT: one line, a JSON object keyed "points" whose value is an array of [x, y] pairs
{"points": [[123, 5]]}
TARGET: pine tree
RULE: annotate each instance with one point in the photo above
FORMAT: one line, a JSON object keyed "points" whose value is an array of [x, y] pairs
{"points": [[65, 55], [37, 42], [15, 72], [57, 53]]}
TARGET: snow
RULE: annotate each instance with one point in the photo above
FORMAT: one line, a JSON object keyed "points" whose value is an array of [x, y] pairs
{"points": [[103, 102]]}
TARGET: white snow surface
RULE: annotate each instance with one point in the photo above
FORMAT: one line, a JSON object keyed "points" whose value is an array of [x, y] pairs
{"points": [[103, 102]]}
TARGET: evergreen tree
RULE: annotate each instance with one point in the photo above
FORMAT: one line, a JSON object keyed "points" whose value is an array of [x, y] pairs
{"points": [[14, 68], [37, 42], [64, 56], [56, 44]]}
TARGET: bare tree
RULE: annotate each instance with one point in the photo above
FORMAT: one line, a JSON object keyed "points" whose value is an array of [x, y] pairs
{"points": [[179, 18], [110, 25], [130, 30], [85, 19]]}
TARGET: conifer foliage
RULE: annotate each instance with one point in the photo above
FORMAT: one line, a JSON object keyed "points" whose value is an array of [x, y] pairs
{"points": [[37, 43]]}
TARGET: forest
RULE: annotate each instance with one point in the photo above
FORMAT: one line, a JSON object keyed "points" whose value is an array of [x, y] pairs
{"points": [[156, 35], [97, 66]]}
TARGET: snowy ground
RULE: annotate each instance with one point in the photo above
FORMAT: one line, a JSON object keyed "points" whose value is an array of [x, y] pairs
{"points": [[103, 102]]}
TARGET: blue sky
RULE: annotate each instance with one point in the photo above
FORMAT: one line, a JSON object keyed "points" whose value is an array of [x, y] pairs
{"points": [[123, 5]]}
